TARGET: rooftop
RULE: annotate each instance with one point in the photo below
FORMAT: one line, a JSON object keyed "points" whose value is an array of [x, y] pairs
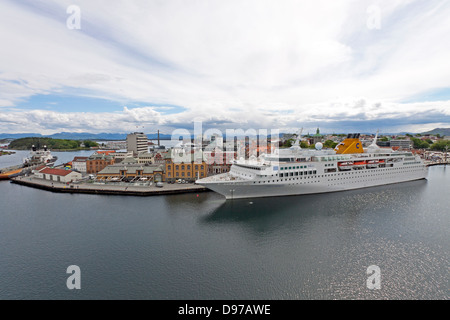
{"points": [[56, 172], [82, 159], [131, 169]]}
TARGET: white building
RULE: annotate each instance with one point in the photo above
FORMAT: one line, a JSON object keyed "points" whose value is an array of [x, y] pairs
{"points": [[145, 157], [79, 164], [402, 143], [58, 175], [137, 142], [120, 156]]}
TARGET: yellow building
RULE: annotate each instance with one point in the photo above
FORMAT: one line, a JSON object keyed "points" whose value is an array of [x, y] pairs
{"points": [[132, 172], [184, 167]]}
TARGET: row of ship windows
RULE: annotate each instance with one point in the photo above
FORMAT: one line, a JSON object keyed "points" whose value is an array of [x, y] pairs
{"points": [[335, 179], [371, 175], [290, 174], [286, 179], [314, 172], [369, 180], [297, 173], [294, 167]]}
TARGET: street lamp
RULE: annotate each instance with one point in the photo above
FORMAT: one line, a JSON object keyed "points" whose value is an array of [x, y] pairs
{"points": [[445, 155]]}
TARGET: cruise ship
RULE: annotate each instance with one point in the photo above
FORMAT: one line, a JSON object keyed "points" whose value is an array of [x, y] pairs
{"points": [[297, 171]]}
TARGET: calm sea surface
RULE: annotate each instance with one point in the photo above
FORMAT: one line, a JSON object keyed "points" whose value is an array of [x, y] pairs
{"points": [[202, 247]]}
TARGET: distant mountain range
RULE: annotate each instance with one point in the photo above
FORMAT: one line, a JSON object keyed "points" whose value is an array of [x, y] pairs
{"points": [[151, 136], [80, 136]]}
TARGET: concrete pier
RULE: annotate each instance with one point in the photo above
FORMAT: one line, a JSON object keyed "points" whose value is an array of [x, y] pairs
{"points": [[107, 189]]}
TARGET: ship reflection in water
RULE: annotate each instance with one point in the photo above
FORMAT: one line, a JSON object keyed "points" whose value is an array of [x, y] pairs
{"points": [[297, 208]]}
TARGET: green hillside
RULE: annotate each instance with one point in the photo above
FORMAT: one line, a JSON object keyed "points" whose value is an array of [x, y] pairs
{"points": [[440, 131], [52, 144]]}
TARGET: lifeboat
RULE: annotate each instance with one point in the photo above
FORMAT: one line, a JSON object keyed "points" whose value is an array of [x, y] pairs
{"points": [[359, 164], [372, 164], [344, 166]]}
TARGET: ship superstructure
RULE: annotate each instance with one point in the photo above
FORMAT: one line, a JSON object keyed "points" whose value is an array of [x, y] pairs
{"points": [[40, 156]]}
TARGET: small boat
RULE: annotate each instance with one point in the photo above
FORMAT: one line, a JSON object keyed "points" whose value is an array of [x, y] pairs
{"points": [[41, 156], [372, 164], [359, 165], [344, 166], [10, 174]]}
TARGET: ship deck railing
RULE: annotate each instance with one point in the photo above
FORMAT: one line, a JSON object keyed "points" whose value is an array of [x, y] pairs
{"points": [[223, 177]]}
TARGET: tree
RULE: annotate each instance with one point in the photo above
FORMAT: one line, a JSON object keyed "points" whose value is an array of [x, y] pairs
{"points": [[89, 143], [329, 144], [420, 144], [440, 145], [288, 143]]}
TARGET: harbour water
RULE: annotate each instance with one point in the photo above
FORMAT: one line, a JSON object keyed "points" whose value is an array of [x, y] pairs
{"points": [[202, 247], [19, 156]]}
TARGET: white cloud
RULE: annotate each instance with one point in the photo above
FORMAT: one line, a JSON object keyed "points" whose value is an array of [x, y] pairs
{"points": [[224, 61]]}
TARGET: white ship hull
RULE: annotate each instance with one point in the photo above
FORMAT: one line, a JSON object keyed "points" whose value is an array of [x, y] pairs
{"points": [[321, 183]]}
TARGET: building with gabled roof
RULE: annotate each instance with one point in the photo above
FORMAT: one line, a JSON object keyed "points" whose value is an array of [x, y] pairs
{"points": [[98, 161], [58, 175], [132, 171], [79, 164]]}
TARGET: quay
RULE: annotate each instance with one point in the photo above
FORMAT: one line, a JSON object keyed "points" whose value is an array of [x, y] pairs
{"points": [[107, 189], [436, 163]]}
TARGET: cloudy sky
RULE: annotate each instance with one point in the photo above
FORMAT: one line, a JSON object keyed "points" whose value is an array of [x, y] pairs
{"points": [[118, 66]]}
